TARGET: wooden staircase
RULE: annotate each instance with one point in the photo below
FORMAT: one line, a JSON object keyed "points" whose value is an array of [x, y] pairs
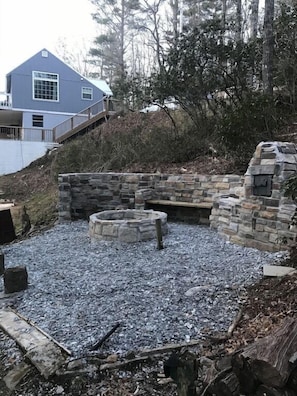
{"points": [[84, 121]]}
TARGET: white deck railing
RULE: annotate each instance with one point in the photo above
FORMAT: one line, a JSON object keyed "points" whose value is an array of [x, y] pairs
{"points": [[50, 135], [27, 134]]}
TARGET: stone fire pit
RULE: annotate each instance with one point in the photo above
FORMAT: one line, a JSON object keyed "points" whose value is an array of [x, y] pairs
{"points": [[128, 225]]}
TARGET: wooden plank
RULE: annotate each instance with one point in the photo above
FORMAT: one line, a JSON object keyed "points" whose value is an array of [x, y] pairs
{"points": [[14, 376], [202, 205], [277, 270], [46, 355]]}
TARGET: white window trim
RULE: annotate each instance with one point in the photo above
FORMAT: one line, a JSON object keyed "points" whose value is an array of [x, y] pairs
{"points": [[45, 79], [90, 90]]}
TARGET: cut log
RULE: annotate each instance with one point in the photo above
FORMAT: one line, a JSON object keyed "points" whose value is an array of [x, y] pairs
{"points": [[15, 279], [267, 361], [227, 385]]}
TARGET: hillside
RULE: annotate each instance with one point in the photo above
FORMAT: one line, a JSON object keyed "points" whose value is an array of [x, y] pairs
{"points": [[36, 186]]}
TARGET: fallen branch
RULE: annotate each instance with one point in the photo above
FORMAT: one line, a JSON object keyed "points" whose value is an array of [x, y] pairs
{"points": [[105, 337], [234, 323], [232, 327], [116, 365], [169, 348]]}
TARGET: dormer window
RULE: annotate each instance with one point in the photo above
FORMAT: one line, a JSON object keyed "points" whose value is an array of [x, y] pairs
{"points": [[45, 86], [87, 93]]}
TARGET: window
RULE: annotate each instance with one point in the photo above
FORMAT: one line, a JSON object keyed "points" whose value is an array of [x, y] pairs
{"points": [[87, 93], [45, 86], [37, 120]]}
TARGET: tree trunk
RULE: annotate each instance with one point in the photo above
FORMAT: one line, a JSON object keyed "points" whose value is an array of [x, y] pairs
{"points": [[238, 21], [268, 45], [254, 18]]}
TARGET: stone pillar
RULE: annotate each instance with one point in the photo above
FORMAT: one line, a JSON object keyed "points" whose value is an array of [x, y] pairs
{"points": [[65, 199], [141, 196], [15, 279]]}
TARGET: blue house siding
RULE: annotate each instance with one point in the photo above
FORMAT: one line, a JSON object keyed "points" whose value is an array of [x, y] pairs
{"points": [[70, 86], [49, 120]]}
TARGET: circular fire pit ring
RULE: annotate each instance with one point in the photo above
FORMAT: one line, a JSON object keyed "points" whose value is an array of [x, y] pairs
{"points": [[128, 225]]}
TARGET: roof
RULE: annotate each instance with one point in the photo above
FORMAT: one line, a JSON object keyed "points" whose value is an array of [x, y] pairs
{"points": [[102, 85]]}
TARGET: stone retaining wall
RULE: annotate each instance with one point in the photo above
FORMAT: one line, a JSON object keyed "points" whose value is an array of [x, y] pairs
{"points": [[82, 194], [249, 210]]}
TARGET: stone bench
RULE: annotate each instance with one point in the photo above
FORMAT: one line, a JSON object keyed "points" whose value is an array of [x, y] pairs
{"points": [[165, 202], [190, 212]]}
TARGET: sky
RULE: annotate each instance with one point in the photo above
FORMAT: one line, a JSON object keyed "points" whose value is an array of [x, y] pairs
{"points": [[27, 26]]}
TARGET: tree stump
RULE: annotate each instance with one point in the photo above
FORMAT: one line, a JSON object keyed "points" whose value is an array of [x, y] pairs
{"points": [[183, 370], [15, 279], [1, 263]]}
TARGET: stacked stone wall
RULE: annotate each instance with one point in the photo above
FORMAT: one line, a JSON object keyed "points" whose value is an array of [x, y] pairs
{"points": [[82, 194], [239, 212], [262, 222]]}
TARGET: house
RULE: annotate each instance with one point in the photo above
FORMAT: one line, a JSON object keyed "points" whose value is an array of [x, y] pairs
{"points": [[45, 101]]}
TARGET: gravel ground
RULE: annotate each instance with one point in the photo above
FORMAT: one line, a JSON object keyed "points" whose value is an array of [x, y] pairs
{"points": [[79, 289]]}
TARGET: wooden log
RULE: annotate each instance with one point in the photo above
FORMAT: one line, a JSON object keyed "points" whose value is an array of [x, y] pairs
{"points": [[292, 382], [265, 390], [183, 370], [267, 361], [227, 385], [159, 234], [15, 279]]}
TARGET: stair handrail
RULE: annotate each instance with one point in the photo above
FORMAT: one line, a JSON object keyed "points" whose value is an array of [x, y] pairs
{"points": [[103, 105]]}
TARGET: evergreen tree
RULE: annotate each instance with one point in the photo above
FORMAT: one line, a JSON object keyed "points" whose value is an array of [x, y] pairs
{"points": [[116, 19]]}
